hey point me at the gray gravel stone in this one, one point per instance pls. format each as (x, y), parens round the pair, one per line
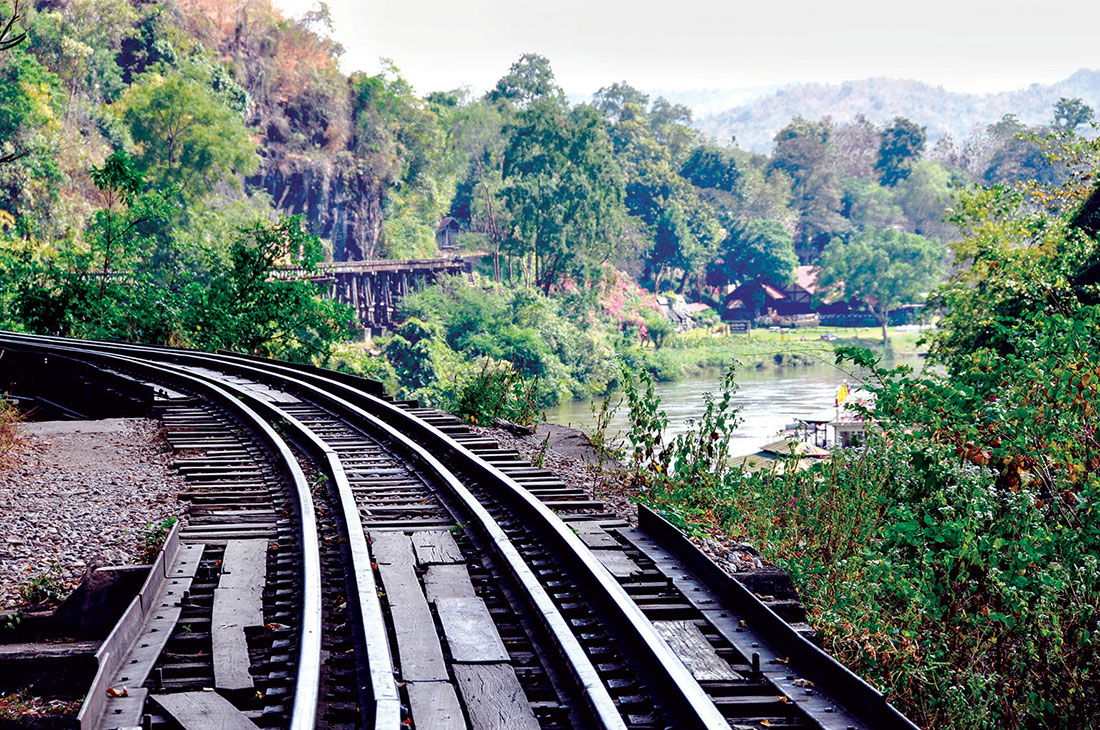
(80, 494)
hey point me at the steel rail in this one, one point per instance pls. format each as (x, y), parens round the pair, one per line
(584, 674)
(676, 685)
(829, 675)
(307, 681)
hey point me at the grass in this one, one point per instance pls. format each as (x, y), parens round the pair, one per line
(701, 350)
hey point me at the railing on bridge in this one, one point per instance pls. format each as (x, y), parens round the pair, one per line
(374, 288)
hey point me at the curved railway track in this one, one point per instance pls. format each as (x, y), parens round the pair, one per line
(393, 569)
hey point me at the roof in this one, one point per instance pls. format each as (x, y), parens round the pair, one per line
(772, 292)
(696, 307)
(794, 448)
(805, 278)
(447, 222)
(762, 460)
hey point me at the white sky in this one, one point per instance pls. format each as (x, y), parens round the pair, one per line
(965, 45)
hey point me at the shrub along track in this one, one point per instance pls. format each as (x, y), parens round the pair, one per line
(475, 590)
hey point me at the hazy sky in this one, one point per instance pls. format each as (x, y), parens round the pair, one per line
(965, 45)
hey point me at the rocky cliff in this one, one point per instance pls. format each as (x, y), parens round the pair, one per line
(301, 112)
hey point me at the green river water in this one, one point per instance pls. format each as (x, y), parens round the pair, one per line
(769, 399)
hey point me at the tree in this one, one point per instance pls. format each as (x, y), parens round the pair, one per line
(529, 79)
(870, 205)
(185, 132)
(1069, 114)
(712, 167)
(757, 250)
(902, 144)
(683, 230)
(31, 102)
(564, 191)
(8, 40)
(1015, 154)
(611, 101)
(246, 309)
(803, 151)
(924, 196)
(856, 146)
(117, 227)
(884, 269)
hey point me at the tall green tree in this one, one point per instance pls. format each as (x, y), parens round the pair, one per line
(611, 101)
(564, 191)
(1069, 114)
(245, 308)
(759, 250)
(803, 151)
(712, 167)
(530, 79)
(883, 269)
(185, 132)
(902, 145)
(683, 229)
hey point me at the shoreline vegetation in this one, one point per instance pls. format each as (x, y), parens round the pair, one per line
(460, 339)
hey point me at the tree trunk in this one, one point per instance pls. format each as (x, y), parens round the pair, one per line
(883, 319)
(683, 282)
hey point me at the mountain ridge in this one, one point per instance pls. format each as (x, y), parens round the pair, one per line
(880, 99)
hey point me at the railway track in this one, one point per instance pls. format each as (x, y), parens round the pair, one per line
(393, 569)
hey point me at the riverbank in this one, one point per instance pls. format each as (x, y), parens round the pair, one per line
(699, 352)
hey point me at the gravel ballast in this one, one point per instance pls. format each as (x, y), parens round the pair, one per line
(81, 494)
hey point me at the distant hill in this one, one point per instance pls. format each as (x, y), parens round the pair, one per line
(880, 99)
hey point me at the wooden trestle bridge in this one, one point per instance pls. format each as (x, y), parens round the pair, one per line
(374, 288)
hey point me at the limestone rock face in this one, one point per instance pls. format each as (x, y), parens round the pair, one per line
(338, 195)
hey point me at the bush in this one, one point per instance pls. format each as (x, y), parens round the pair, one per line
(494, 391)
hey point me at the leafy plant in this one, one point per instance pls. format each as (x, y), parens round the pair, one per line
(152, 540)
(496, 391)
(46, 587)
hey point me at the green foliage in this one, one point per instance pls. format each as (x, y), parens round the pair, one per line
(245, 309)
(454, 323)
(187, 128)
(152, 540)
(902, 144)
(564, 191)
(952, 560)
(1069, 114)
(129, 284)
(760, 249)
(694, 462)
(711, 167)
(529, 80)
(496, 390)
(883, 269)
(48, 586)
(802, 151)
(612, 101)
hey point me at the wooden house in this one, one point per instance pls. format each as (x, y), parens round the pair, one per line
(446, 234)
(756, 298)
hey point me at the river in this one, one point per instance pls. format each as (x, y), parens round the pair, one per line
(769, 399)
